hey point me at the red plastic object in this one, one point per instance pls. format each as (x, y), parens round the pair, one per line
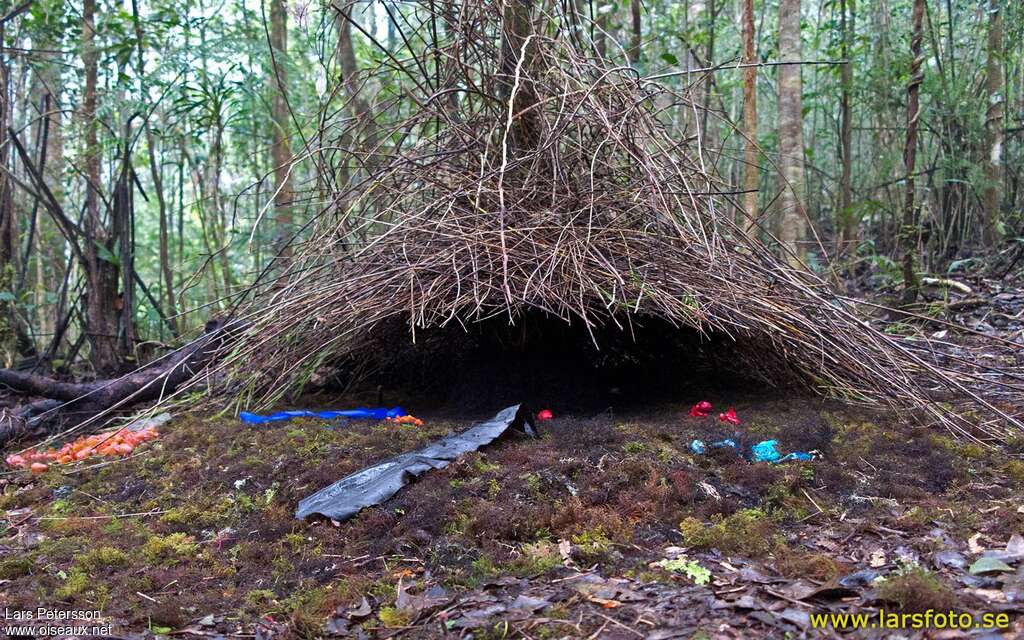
(701, 410)
(545, 414)
(729, 416)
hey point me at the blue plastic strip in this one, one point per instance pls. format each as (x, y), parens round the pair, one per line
(766, 451)
(353, 414)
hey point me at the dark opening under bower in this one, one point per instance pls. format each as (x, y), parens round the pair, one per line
(533, 182)
(546, 362)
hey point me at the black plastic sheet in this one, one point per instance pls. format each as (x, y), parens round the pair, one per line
(375, 484)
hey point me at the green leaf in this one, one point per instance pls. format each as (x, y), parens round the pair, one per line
(669, 59)
(691, 568)
(7, 296)
(106, 255)
(989, 565)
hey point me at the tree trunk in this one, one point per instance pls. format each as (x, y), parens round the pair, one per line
(991, 230)
(634, 43)
(708, 80)
(848, 224)
(358, 106)
(281, 154)
(8, 217)
(102, 303)
(751, 169)
(909, 228)
(79, 401)
(49, 245)
(515, 32)
(793, 218)
(158, 183)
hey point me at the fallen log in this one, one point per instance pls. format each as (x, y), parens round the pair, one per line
(80, 401)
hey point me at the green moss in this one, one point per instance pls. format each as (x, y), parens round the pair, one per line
(394, 618)
(634, 447)
(748, 532)
(493, 488)
(62, 549)
(76, 583)
(113, 527)
(481, 465)
(169, 550)
(13, 568)
(591, 545)
(102, 557)
(1014, 470)
(816, 566)
(258, 600)
(916, 590)
(295, 541)
(536, 558)
(972, 451)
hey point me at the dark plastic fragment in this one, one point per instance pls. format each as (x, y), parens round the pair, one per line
(375, 484)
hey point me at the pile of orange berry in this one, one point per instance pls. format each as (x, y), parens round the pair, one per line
(120, 442)
(416, 422)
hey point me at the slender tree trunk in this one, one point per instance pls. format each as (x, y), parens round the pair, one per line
(994, 135)
(634, 43)
(281, 153)
(909, 228)
(751, 168)
(708, 80)
(516, 29)
(358, 105)
(154, 171)
(793, 218)
(49, 244)
(102, 305)
(848, 223)
(8, 218)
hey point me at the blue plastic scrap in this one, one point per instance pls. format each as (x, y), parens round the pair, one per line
(766, 451)
(698, 446)
(353, 414)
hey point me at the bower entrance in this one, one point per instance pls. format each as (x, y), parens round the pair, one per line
(545, 361)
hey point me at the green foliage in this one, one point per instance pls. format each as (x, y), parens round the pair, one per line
(169, 550)
(690, 568)
(748, 532)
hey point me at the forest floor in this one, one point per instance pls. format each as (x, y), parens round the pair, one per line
(606, 526)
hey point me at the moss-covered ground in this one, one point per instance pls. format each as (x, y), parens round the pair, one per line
(606, 526)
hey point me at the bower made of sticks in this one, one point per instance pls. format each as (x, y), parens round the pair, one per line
(574, 192)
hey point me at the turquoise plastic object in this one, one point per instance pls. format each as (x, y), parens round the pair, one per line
(698, 446)
(766, 451)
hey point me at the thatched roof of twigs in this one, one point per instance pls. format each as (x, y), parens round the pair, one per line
(579, 190)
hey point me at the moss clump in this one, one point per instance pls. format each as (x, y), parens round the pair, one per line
(102, 557)
(634, 447)
(816, 566)
(76, 582)
(394, 618)
(1014, 470)
(258, 599)
(12, 568)
(916, 590)
(591, 545)
(748, 532)
(169, 550)
(536, 559)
